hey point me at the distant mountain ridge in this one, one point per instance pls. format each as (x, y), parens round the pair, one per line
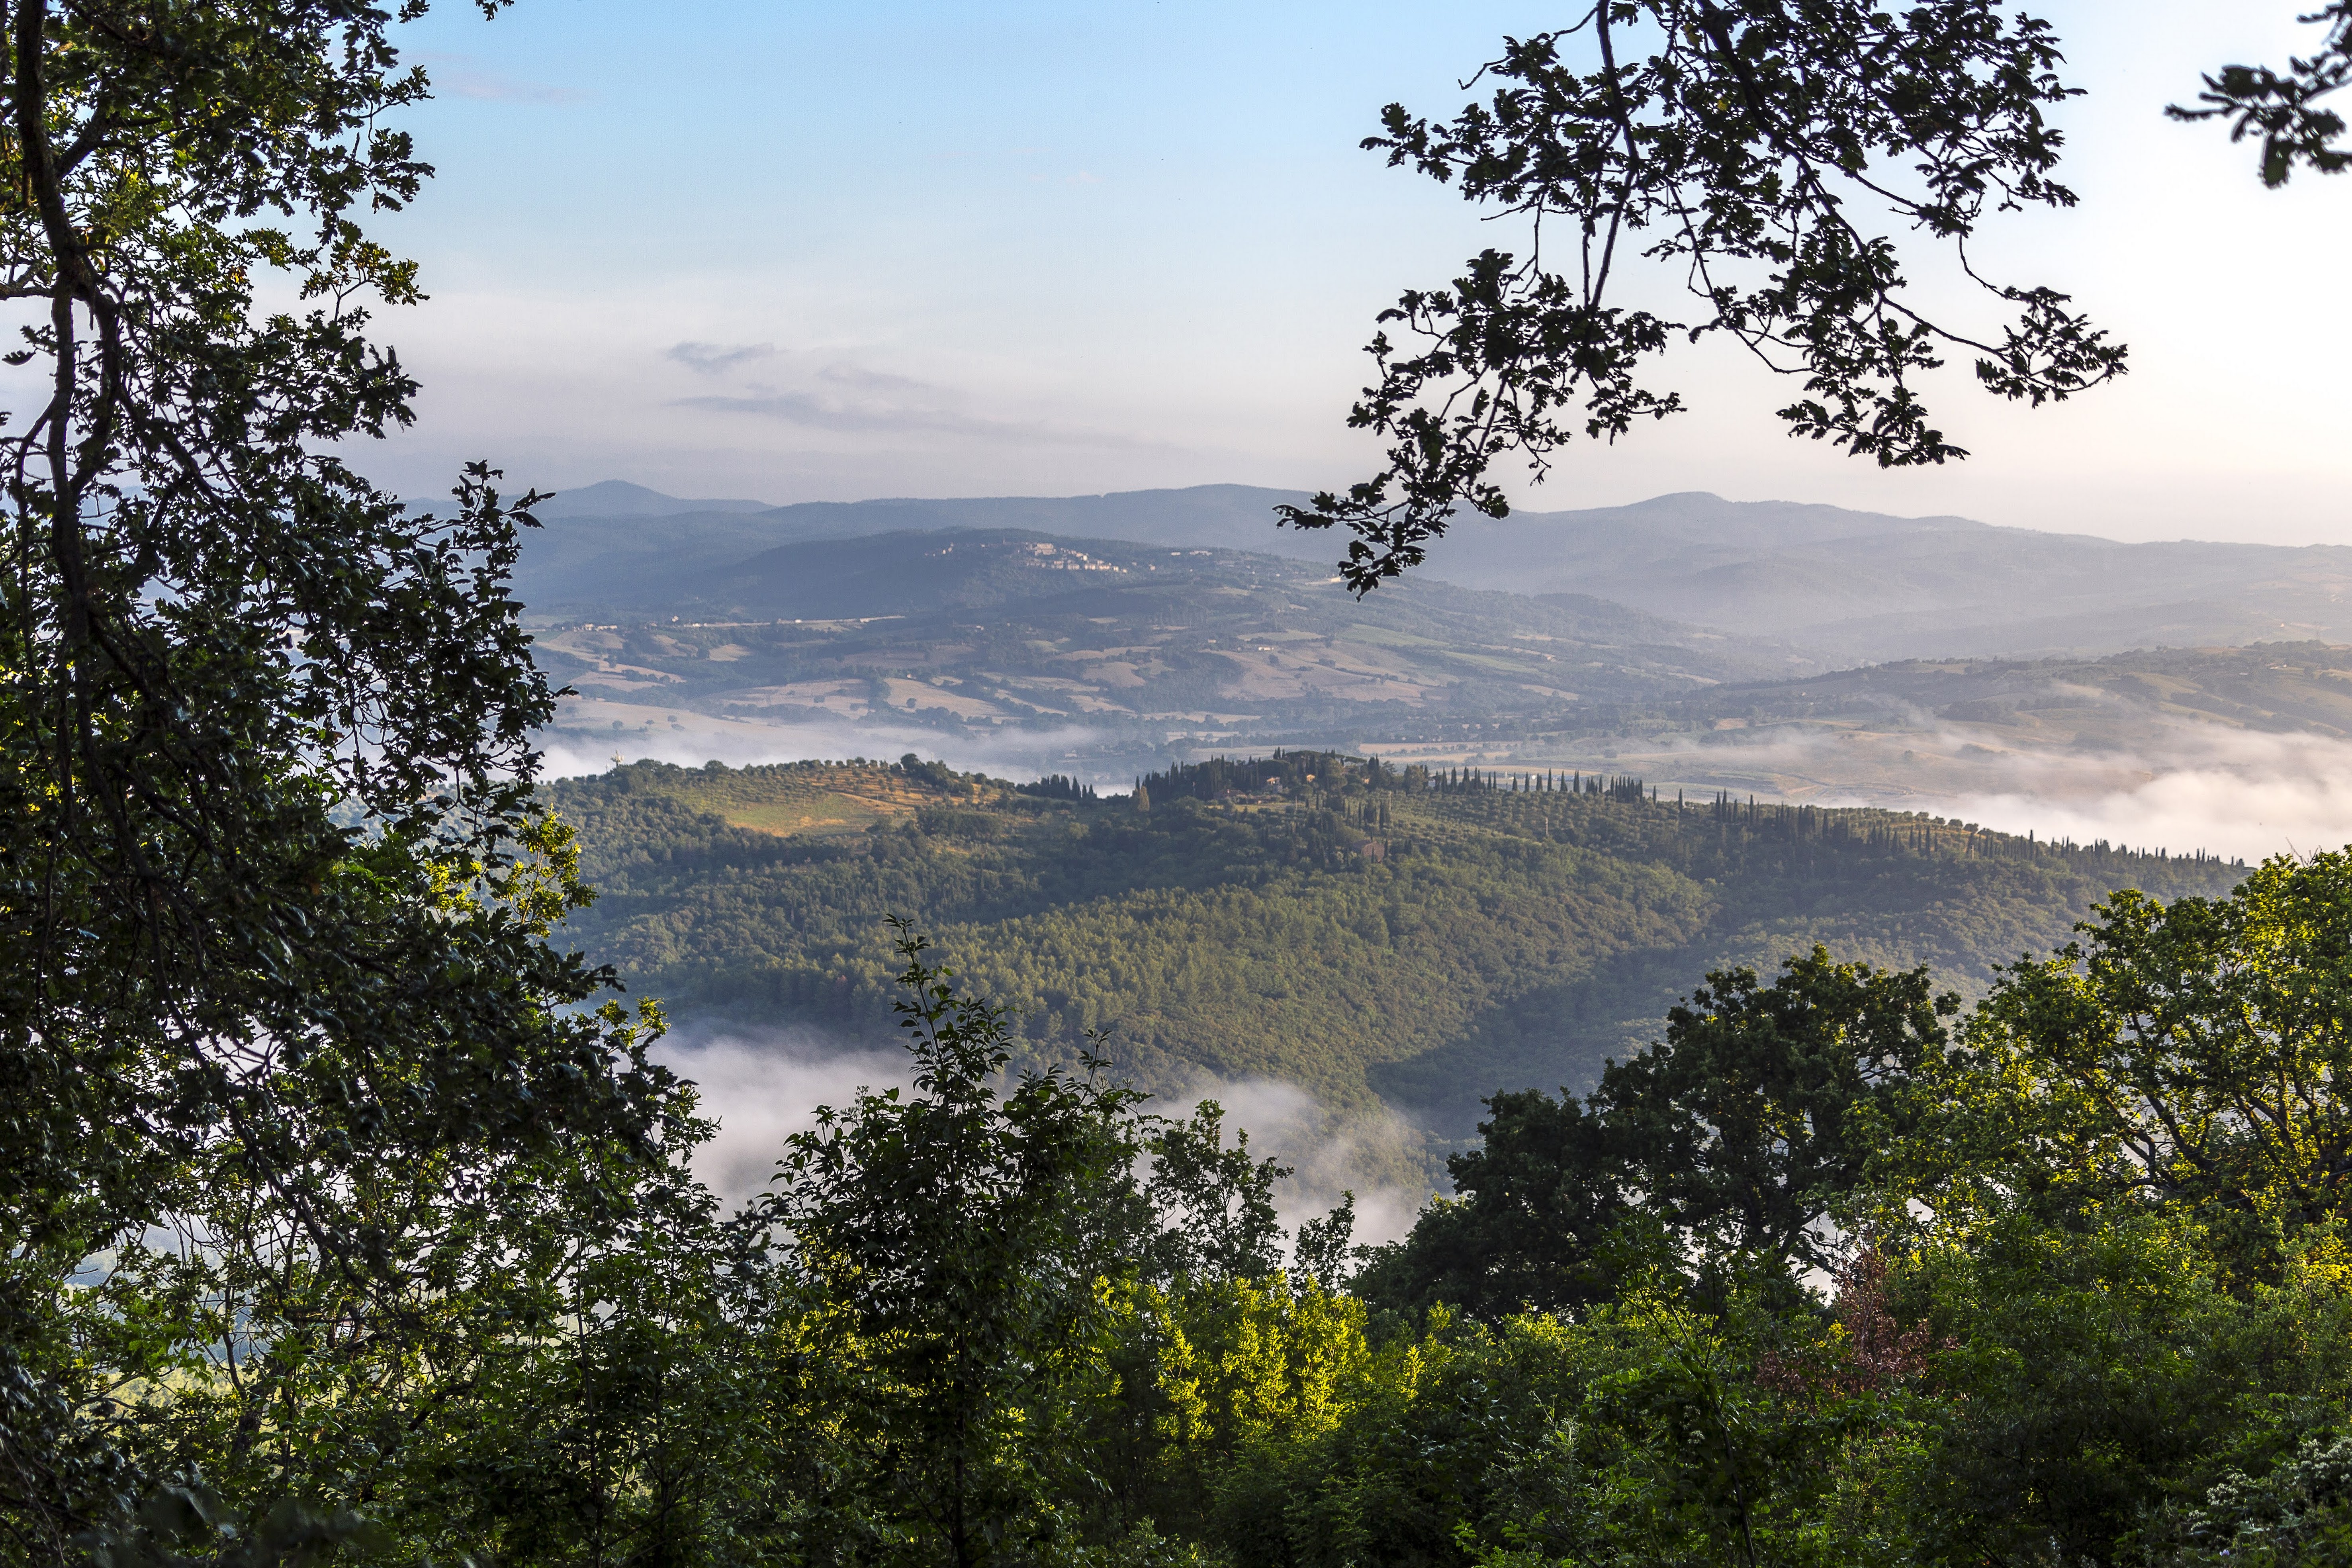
(1854, 587)
(971, 634)
(1842, 586)
(618, 498)
(643, 558)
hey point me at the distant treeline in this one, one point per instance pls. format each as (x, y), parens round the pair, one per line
(1283, 772)
(1912, 832)
(1293, 773)
(1321, 775)
(1057, 786)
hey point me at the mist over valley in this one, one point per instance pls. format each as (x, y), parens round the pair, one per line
(2182, 696)
(1906, 677)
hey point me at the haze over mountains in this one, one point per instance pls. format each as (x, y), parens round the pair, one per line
(1839, 588)
(1704, 643)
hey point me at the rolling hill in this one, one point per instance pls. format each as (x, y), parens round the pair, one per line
(984, 632)
(1854, 587)
(1378, 938)
(830, 629)
(1839, 588)
(652, 552)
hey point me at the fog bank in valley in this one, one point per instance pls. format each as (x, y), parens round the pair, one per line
(2243, 795)
(2180, 787)
(762, 1085)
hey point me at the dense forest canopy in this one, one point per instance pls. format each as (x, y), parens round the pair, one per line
(1842, 1273)
(1369, 932)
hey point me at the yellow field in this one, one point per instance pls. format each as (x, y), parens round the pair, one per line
(815, 799)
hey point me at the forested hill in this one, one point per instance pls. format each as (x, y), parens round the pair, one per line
(1364, 933)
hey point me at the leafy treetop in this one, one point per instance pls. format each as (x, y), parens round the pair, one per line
(1765, 154)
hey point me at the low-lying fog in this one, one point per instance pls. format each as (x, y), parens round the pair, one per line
(2227, 790)
(764, 1085)
(2253, 796)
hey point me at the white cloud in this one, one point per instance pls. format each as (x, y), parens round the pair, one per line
(712, 358)
(2187, 786)
(851, 399)
(2245, 796)
(1328, 1154)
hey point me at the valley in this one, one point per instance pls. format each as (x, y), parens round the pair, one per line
(1478, 939)
(1838, 587)
(993, 632)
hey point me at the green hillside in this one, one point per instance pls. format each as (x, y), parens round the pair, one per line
(1369, 935)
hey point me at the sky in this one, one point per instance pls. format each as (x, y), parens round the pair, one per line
(794, 252)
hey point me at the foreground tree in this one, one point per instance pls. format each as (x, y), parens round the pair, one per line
(1021, 1322)
(1765, 154)
(1022, 1309)
(960, 1237)
(2189, 1059)
(282, 1043)
(1731, 1146)
(1767, 1106)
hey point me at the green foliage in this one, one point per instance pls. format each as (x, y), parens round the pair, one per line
(2066, 1367)
(1765, 1105)
(1733, 1141)
(300, 1116)
(958, 1239)
(660, 1414)
(2099, 1378)
(2184, 1057)
(1012, 1319)
(2107, 1277)
(1216, 1204)
(1539, 1207)
(1362, 933)
(1742, 151)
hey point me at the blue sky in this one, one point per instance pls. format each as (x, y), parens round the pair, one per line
(800, 252)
